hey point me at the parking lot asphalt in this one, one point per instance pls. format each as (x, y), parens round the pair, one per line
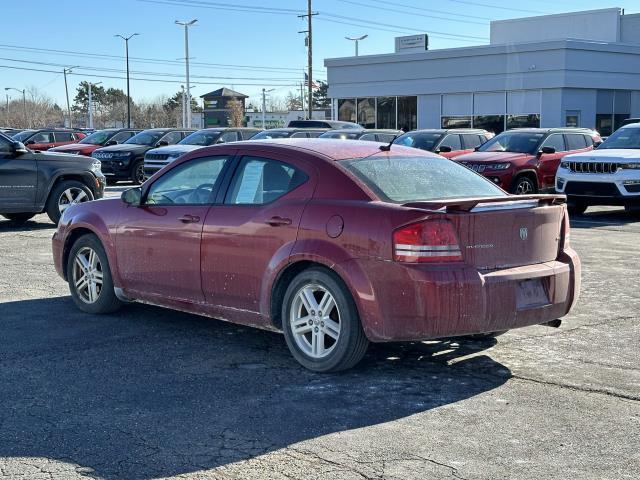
(151, 393)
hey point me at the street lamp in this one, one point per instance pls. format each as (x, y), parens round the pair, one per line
(66, 89)
(356, 39)
(90, 104)
(126, 49)
(186, 26)
(24, 102)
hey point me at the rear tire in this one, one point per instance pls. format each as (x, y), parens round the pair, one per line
(327, 341)
(18, 218)
(89, 277)
(64, 194)
(523, 185)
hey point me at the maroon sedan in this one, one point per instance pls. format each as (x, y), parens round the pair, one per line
(335, 243)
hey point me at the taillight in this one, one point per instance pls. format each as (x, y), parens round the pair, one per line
(429, 241)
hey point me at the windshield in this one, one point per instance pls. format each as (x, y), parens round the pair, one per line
(516, 142)
(271, 134)
(146, 138)
(402, 179)
(202, 138)
(22, 136)
(625, 138)
(423, 141)
(98, 138)
(341, 135)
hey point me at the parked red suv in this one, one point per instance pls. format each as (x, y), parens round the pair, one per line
(46, 138)
(101, 138)
(449, 143)
(525, 161)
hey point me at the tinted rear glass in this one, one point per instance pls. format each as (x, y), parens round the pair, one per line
(402, 179)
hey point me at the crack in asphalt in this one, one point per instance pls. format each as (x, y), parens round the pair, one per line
(610, 393)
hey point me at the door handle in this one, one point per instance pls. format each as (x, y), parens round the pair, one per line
(189, 219)
(278, 221)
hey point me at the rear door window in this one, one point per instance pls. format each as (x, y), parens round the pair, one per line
(452, 141)
(371, 137)
(229, 137)
(122, 137)
(172, 137)
(555, 141)
(575, 141)
(299, 135)
(43, 137)
(471, 141)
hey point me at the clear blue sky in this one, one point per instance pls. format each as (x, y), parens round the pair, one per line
(249, 33)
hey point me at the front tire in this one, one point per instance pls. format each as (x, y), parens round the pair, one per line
(18, 218)
(523, 185)
(321, 323)
(137, 172)
(89, 277)
(577, 208)
(65, 194)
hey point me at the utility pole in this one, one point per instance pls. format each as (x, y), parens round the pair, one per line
(66, 89)
(90, 108)
(309, 33)
(186, 26)
(264, 107)
(126, 50)
(7, 110)
(184, 107)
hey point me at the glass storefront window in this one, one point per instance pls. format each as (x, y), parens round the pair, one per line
(407, 113)
(491, 123)
(456, 122)
(523, 121)
(367, 112)
(604, 124)
(386, 114)
(347, 109)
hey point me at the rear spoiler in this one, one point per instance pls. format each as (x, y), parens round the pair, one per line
(468, 204)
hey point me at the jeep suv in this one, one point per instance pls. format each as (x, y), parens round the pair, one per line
(101, 138)
(35, 182)
(449, 143)
(525, 160)
(126, 161)
(157, 158)
(46, 138)
(609, 175)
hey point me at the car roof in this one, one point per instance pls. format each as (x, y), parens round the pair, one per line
(362, 130)
(296, 129)
(449, 130)
(553, 130)
(634, 125)
(336, 149)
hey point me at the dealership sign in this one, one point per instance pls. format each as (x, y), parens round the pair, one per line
(412, 43)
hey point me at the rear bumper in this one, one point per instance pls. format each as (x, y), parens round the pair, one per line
(410, 302)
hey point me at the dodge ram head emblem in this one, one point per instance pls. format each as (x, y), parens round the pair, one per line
(524, 233)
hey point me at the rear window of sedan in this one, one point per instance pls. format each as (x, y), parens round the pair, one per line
(402, 179)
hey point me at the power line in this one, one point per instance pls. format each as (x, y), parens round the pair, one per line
(486, 5)
(413, 7)
(414, 14)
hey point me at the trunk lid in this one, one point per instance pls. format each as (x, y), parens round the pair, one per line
(504, 232)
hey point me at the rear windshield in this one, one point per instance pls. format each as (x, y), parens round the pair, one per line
(516, 142)
(202, 138)
(271, 134)
(625, 138)
(423, 141)
(401, 179)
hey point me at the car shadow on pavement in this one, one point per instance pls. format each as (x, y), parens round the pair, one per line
(605, 218)
(150, 392)
(28, 226)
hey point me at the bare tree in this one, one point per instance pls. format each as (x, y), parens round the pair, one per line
(236, 113)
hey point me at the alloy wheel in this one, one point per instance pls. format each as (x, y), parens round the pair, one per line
(524, 187)
(139, 173)
(70, 196)
(87, 275)
(315, 321)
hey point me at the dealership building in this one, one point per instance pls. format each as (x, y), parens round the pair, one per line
(575, 69)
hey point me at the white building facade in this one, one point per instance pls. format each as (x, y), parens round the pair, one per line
(578, 69)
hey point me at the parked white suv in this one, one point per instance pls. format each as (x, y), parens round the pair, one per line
(608, 175)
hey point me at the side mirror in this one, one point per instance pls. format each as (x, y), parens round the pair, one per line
(110, 142)
(31, 142)
(162, 143)
(596, 144)
(547, 150)
(475, 149)
(132, 196)
(444, 149)
(219, 141)
(19, 148)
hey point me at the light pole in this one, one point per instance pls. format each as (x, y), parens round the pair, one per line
(91, 105)
(7, 110)
(126, 50)
(264, 107)
(356, 40)
(24, 102)
(186, 26)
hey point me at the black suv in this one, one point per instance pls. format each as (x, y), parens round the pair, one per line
(126, 161)
(35, 182)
